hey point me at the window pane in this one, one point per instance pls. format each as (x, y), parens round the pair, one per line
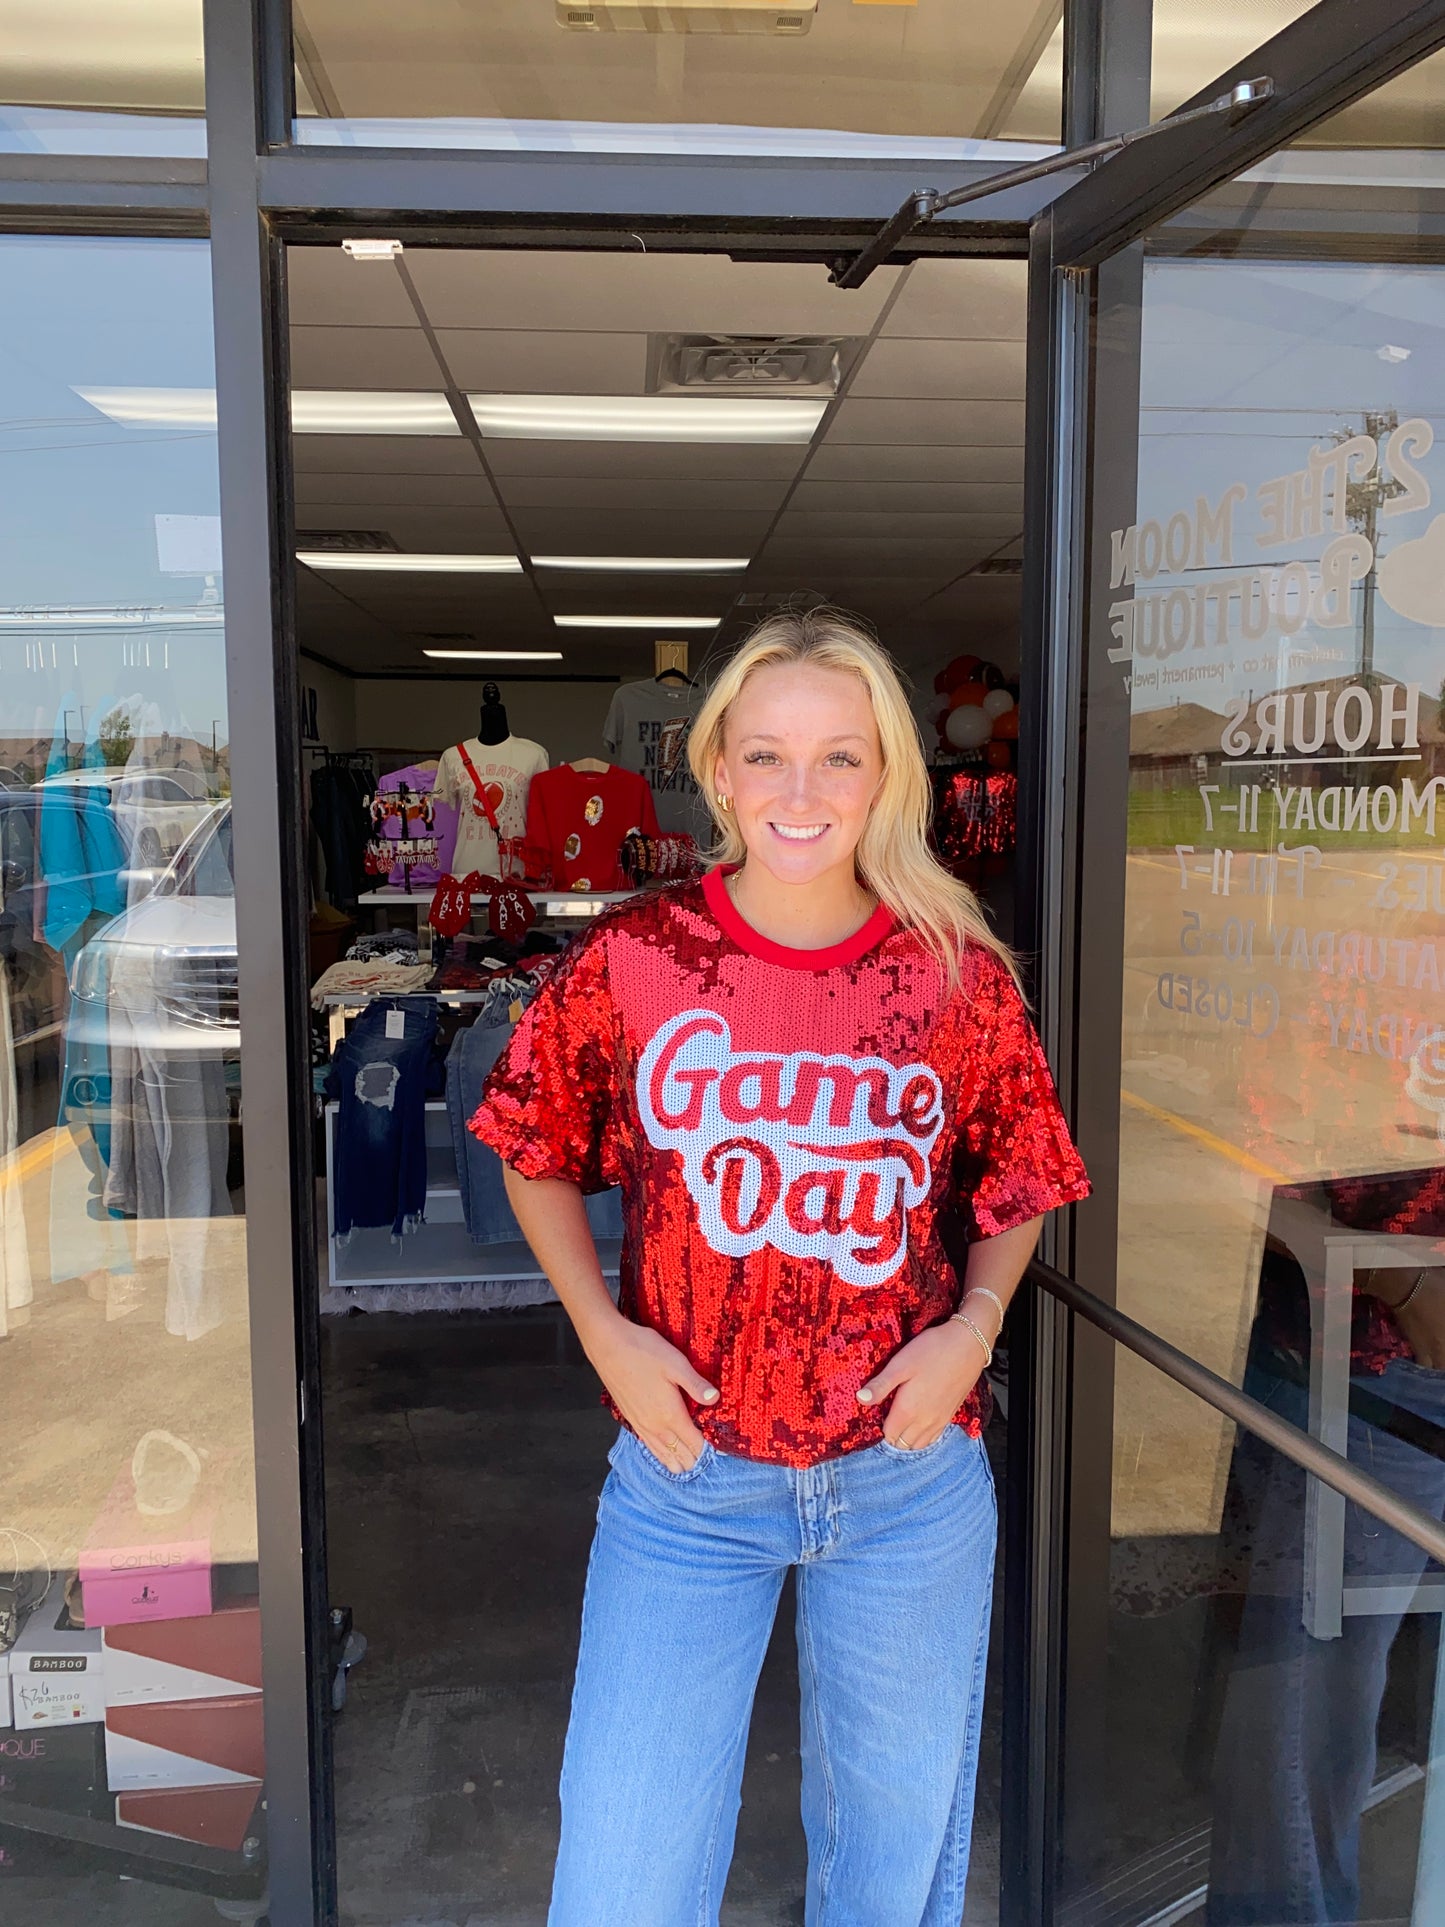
(1193, 44)
(130, 1707)
(101, 77)
(1264, 869)
(1257, 1732)
(824, 76)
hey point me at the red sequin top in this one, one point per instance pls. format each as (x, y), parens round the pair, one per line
(787, 1127)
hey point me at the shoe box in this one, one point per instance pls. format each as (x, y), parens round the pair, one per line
(136, 1567)
(184, 1743)
(55, 1668)
(212, 1816)
(184, 1711)
(158, 1723)
(217, 1657)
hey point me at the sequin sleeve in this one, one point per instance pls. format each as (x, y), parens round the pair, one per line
(548, 1103)
(1015, 1157)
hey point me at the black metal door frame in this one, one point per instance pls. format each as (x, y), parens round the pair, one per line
(1085, 271)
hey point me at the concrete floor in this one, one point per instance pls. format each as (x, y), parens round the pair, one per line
(464, 1458)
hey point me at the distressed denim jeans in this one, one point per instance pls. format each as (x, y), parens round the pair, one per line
(894, 1553)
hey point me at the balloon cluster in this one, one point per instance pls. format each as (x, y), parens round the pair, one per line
(976, 711)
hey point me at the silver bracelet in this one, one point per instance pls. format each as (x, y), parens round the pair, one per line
(1409, 1297)
(982, 1291)
(962, 1318)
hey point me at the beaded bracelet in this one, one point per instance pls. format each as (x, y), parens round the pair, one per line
(962, 1318)
(982, 1291)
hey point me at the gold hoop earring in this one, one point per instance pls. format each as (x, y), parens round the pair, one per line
(724, 803)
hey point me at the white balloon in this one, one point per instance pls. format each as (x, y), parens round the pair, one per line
(968, 727)
(998, 702)
(938, 708)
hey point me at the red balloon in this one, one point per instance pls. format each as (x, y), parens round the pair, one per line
(998, 755)
(961, 669)
(967, 692)
(1006, 727)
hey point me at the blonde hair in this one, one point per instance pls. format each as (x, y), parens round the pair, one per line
(893, 857)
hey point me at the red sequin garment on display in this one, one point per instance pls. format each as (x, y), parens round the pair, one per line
(975, 819)
(787, 1126)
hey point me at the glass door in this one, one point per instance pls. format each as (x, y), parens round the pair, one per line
(1252, 599)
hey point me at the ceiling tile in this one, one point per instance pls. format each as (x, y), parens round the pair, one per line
(908, 462)
(383, 455)
(325, 287)
(663, 497)
(866, 558)
(855, 526)
(571, 532)
(994, 498)
(646, 461)
(541, 362)
(955, 423)
(963, 300)
(428, 531)
(412, 491)
(943, 370)
(363, 358)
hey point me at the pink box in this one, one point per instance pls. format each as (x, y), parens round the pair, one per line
(134, 1568)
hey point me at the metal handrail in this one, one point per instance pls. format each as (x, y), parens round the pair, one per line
(1306, 1452)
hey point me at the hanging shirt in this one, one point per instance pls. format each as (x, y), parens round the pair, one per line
(576, 823)
(504, 771)
(787, 1126)
(413, 831)
(646, 730)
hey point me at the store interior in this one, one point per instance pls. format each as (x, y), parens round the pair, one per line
(539, 497)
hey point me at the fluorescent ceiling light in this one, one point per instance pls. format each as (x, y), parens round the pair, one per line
(648, 418)
(661, 623)
(648, 564)
(387, 560)
(154, 407)
(362, 411)
(496, 655)
(314, 411)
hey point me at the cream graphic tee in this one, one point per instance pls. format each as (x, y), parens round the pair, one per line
(505, 771)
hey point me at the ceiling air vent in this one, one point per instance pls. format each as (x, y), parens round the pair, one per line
(687, 16)
(747, 364)
(347, 541)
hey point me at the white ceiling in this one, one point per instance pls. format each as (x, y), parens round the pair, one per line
(912, 481)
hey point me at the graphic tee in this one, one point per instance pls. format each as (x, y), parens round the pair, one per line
(506, 770)
(788, 1127)
(411, 829)
(646, 730)
(576, 822)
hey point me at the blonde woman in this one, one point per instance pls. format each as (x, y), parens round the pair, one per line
(792, 1068)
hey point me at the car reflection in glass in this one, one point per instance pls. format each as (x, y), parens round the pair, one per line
(155, 810)
(161, 977)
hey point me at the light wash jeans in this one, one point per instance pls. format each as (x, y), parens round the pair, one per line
(894, 1552)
